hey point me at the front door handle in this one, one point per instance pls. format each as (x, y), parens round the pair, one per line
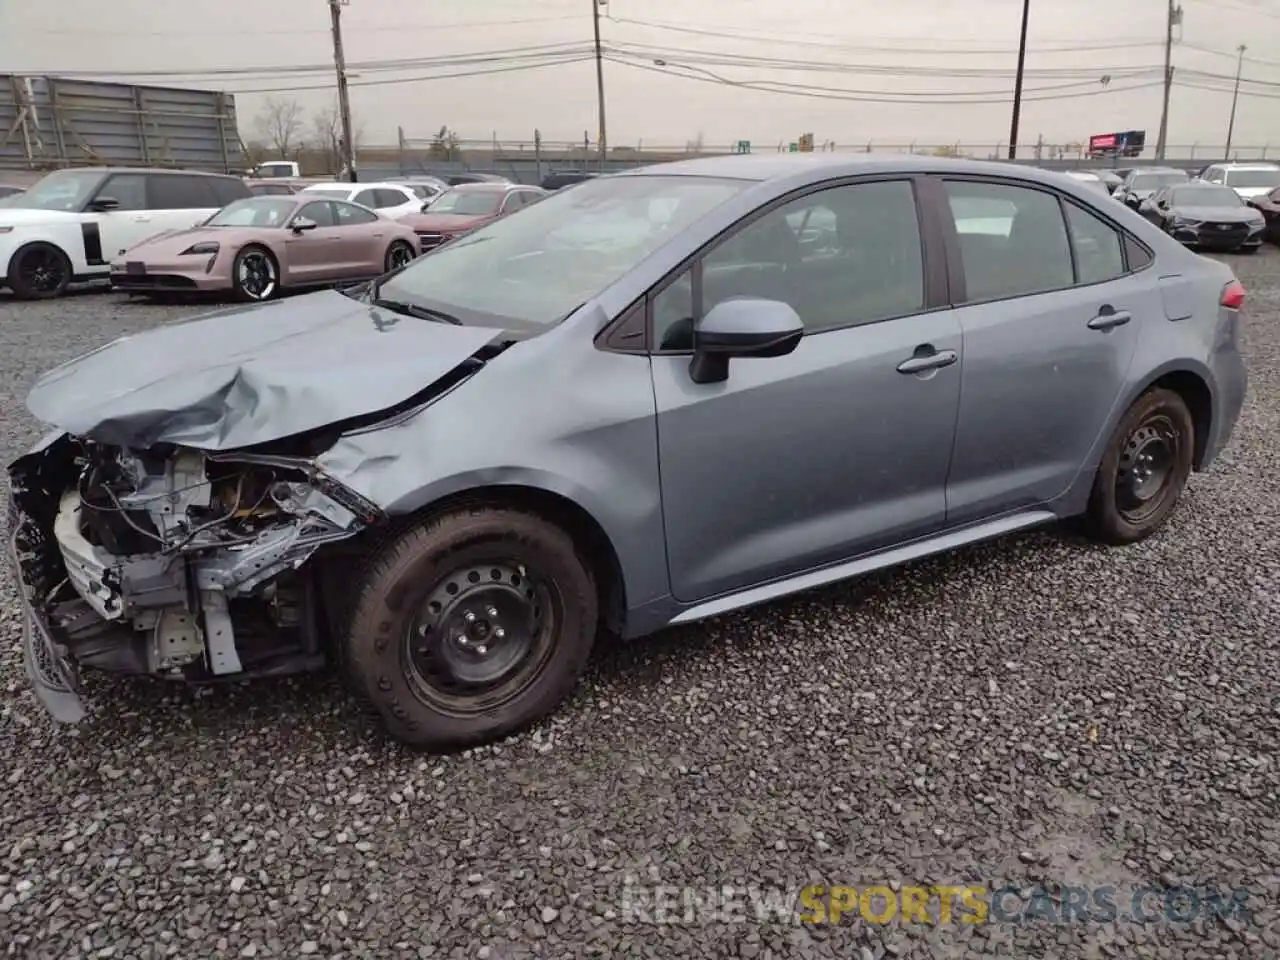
(1109, 320)
(932, 361)
(141, 219)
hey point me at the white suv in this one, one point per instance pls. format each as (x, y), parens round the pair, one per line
(389, 199)
(71, 223)
(1247, 179)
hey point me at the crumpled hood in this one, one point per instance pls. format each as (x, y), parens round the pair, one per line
(239, 377)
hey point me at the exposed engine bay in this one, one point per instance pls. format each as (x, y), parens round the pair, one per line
(173, 562)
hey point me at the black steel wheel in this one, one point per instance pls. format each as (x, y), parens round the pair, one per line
(398, 254)
(255, 275)
(470, 627)
(39, 271)
(1144, 469)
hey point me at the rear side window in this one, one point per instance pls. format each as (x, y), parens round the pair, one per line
(176, 191)
(1013, 241)
(228, 190)
(348, 214)
(1098, 247)
(389, 198)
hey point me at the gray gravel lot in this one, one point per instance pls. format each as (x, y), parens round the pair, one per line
(1035, 711)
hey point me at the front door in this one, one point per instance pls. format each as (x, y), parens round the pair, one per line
(314, 255)
(1050, 311)
(835, 450)
(130, 221)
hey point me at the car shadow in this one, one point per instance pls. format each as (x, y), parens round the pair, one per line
(122, 707)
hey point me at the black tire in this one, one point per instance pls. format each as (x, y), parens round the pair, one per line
(39, 271)
(1126, 504)
(398, 254)
(410, 647)
(263, 280)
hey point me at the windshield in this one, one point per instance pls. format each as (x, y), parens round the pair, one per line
(534, 269)
(1205, 197)
(61, 190)
(1253, 178)
(469, 202)
(254, 212)
(1154, 181)
(336, 192)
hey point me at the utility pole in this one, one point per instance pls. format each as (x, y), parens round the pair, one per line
(344, 103)
(595, 14)
(1017, 83)
(1235, 96)
(1174, 18)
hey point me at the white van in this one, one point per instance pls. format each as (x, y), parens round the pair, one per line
(69, 225)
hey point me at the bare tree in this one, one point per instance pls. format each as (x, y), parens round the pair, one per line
(444, 145)
(326, 135)
(279, 123)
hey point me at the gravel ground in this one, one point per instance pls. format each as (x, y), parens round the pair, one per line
(1036, 711)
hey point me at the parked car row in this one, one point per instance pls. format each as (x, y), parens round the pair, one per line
(172, 232)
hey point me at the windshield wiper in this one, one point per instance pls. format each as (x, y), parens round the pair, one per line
(414, 310)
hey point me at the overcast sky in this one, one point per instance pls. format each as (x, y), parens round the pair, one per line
(945, 37)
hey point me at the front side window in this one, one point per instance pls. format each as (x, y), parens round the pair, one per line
(839, 257)
(1013, 240)
(129, 190)
(531, 271)
(1098, 246)
(385, 198)
(67, 190)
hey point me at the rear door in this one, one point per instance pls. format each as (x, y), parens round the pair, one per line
(363, 238)
(178, 201)
(834, 450)
(126, 224)
(1050, 302)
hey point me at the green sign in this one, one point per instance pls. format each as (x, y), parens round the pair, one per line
(742, 146)
(793, 147)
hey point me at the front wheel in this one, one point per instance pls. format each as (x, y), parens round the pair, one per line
(398, 254)
(1144, 469)
(470, 627)
(39, 271)
(255, 275)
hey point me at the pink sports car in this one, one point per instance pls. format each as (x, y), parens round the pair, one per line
(258, 246)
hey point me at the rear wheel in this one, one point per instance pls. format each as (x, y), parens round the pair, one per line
(471, 627)
(398, 254)
(255, 275)
(1144, 469)
(39, 271)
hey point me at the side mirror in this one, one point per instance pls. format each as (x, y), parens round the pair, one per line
(99, 204)
(302, 223)
(742, 328)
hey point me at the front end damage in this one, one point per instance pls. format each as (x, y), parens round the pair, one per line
(170, 562)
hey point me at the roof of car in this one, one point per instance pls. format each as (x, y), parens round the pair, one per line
(1249, 165)
(347, 185)
(821, 166)
(492, 186)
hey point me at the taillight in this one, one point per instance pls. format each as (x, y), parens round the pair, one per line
(1233, 295)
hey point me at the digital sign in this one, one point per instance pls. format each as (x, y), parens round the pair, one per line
(1126, 144)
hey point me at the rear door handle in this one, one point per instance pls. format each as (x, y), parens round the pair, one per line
(1110, 320)
(933, 361)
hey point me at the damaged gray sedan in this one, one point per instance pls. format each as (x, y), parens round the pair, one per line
(654, 398)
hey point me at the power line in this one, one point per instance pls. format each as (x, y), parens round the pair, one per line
(1237, 8)
(819, 93)
(932, 50)
(399, 28)
(397, 81)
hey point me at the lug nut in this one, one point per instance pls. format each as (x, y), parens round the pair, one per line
(469, 617)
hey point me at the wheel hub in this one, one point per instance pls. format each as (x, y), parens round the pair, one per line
(1146, 462)
(476, 628)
